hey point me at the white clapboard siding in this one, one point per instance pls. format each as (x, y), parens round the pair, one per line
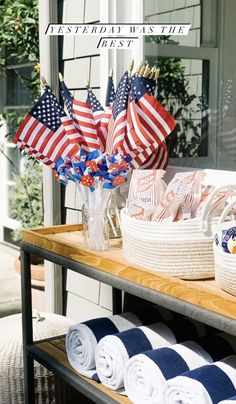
(83, 286)
(92, 10)
(80, 309)
(86, 46)
(76, 72)
(86, 298)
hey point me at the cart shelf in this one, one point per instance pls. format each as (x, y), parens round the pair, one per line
(63, 245)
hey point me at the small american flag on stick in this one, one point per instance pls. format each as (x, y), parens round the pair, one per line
(42, 132)
(110, 94)
(117, 125)
(82, 118)
(148, 125)
(101, 117)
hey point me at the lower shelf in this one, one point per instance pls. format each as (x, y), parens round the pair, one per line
(52, 354)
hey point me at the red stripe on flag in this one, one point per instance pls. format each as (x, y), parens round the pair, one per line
(155, 106)
(21, 127)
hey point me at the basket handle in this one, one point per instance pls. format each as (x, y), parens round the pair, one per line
(204, 219)
(226, 210)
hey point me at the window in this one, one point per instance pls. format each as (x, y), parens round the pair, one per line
(16, 102)
(198, 79)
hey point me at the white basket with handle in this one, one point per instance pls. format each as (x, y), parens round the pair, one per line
(225, 263)
(183, 249)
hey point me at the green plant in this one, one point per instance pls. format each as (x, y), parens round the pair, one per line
(26, 204)
(19, 33)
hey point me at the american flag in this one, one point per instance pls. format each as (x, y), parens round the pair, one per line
(149, 84)
(42, 132)
(158, 159)
(146, 158)
(110, 94)
(83, 120)
(72, 133)
(101, 117)
(117, 125)
(148, 124)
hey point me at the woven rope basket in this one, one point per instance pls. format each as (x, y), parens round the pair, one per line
(183, 249)
(225, 263)
(11, 361)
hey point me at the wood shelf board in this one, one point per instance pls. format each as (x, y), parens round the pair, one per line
(68, 241)
(56, 349)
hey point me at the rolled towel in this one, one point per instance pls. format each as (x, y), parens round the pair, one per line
(185, 329)
(113, 351)
(207, 384)
(230, 400)
(145, 374)
(218, 345)
(82, 338)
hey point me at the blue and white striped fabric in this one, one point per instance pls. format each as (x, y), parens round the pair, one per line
(82, 338)
(230, 400)
(146, 374)
(219, 346)
(208, 384)
(114, 351)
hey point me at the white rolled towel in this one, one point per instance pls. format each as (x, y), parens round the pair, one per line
(230, 400)
(145, 374)
(114, 351)
(208, 384)
(82, 339)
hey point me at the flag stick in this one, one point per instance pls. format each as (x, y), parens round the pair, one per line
(61, 78)
(157, 73)
(131, 67)
(141, 71)
(43, 82)
(139, 68)
(146, 71)
(152, 73)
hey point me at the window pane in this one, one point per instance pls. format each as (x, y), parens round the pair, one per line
(17, 92)
(176, 11)
(13, 154)
(184, 92)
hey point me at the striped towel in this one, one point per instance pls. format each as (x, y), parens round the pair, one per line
(145, 374)
(218, 345)
(82, 338)
(208, 384)
(114, 351)
(230, 400)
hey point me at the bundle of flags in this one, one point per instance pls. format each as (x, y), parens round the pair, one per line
(132, 123)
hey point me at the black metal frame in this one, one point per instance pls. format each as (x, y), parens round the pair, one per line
(30, 350)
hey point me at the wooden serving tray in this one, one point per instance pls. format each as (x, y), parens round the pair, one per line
(67, 241)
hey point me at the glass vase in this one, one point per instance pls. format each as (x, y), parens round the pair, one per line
(95, 229)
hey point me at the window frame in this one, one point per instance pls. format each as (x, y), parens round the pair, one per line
(5, 220)
(198, 53)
